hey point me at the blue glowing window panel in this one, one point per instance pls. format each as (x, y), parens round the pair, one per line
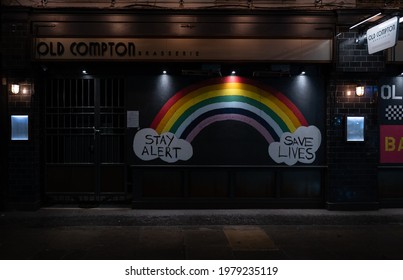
(19, 127)
(355, 128)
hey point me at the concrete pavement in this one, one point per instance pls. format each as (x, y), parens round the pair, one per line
(122, 233)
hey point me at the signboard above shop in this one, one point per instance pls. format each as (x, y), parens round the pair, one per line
(390, 118)
(383, 35)
(174, 49)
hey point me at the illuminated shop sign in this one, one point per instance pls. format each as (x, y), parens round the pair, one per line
(391, 148)
(181, 49)
(391, 103)
(390, 110)
(383, 35)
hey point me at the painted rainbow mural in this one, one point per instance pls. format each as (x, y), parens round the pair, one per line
(194, 108)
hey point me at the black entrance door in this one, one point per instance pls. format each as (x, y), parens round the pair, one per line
(84, 143)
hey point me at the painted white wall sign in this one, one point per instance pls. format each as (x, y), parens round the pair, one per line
(300, 146)
(383, 35)
(149, 145)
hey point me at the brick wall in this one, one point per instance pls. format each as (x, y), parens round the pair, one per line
(3, 142)
(23, 184)
(16, 45)
(352, 56)
(24, 156)
(352, 174)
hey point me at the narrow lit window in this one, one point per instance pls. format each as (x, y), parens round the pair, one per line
(19, 128)
(355, 128)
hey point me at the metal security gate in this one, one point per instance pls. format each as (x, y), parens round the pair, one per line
(85, 140)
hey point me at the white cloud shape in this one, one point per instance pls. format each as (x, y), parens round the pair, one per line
(149, 145)
(300, 146)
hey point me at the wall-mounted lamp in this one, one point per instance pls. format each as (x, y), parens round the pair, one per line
(361, 41)
(15, 88)
(359, 90)
(25, 88)
(20, 88)
(301, 71)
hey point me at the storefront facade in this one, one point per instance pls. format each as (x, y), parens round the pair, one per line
(188, 109)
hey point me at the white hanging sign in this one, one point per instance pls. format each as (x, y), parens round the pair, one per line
(383, 36)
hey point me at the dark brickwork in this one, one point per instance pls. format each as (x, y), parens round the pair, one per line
(24, 156)
(352, 174)
(3, 143)
(353, 56)
(352, 166)
(23, 184)
(15, 45)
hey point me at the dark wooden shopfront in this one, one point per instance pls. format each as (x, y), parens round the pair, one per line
(88, 142)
